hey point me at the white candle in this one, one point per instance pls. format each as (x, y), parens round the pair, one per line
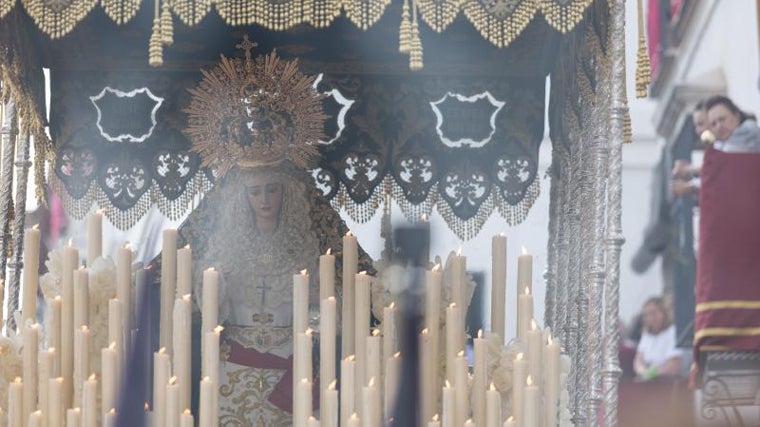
(81, 297)
(525, 271)
(371, 402)
(479, 384)
(373, 355)
(70, 262)
(81, 361)
(531, 404)
(35, 419)
(449, 405)
(524, 314)
(16, 402)
(329, 415)
(109, 419)
(428, 374)
(206, 415)
(172, 412)
(392, 381)
(116, 330)
(434, 421)
(453, 344)
(327, 342)
(184, 271)
(326, 275)
(53, 327)
(210, 300)
(433, 325)
(94, 237)
(186, 420)
(347, 388)
(350, 266)
(493, 407)
(182, 348)
(30, 275)
(31, 346)
(300, 301)
(302, 408)
(210, 363)
(390, 343)
(302, 360)
(498, 286)
(124, 289)
(109, 383)
(161, 372)
(551, 380)
(90, 402)
(460, 385)
(458, 275)
(535, 343)
(168, 286)
(73, 417)
(55, 412)
(46, 370)
(361, 328)
(519, 374)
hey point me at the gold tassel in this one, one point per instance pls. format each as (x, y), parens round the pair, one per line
(167, 26)
(404, 33)
(643, 67)
(415, 45)
(155, 50)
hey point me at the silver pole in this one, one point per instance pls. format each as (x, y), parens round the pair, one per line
(8, 133)
(614, 239)
(16, 264)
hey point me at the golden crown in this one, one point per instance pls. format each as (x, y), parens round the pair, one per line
(255, 112)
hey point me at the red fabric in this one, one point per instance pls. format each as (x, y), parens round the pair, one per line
(654, 26)
(728, 266)
(282, 395)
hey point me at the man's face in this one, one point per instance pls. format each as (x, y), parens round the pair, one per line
(699, 118)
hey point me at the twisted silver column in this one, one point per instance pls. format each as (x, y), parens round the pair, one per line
(8, 133)
(576, 346)
(550, 274)
(614, 239)
(16, 264)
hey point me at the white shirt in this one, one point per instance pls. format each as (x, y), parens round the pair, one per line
(657, 349)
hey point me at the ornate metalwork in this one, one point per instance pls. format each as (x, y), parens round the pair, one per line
(9, 131)
(550, 274)
(614, 238)
(22, 165)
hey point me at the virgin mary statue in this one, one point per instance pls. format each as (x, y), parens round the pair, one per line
(256, 123)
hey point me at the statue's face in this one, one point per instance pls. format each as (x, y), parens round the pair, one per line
(265, 197)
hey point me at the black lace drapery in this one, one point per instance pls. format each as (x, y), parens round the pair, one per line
(478, 155)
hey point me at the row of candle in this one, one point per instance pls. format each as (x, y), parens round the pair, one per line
(360, 369)
(61, 368)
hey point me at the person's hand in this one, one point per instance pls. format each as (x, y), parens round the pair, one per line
(679, 188)
(682, 170)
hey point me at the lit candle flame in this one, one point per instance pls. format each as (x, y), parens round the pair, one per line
(480, 333)
(162, 350)
(392, 305)
(436, 268)
(187, 246)
(70, 242)
(36, 227)
(529, 381)
(146, 406)
(549, 338)
(523, 250)
(219, 329)
(331, 299)
(85, 328)
(354, 416)
(329, 251)
(519, 356)
(333, 385)
(186, 297)
(533, 325)
(210, 269)
(112, 346)
(511, 419)
(452, 305)
(303, 380)
(362, 273)
(435, 418)
(424, 331)
(459, 251)
(92, 377)
(128, 245)
(17, 380)
(527, 291)
(304, 272)
(424, 217)
(371, 382)
(397, 355)
(375, 332)
(173, 380)
(461, 353)
(448, 384)
(112, 411)
(349, 234)
(492, 387)
(351, 357)
(308, 332)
